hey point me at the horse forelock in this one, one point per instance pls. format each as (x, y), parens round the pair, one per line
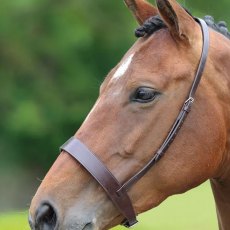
(155, 23)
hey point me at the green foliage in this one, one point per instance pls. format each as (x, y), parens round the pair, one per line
(53, 56)
(177, 213)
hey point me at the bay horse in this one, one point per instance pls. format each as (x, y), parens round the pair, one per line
(139, 101)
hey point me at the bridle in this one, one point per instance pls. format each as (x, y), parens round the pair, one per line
(115, 191)
(118, 192)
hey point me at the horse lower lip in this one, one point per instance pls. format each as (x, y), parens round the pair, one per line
(88, 226)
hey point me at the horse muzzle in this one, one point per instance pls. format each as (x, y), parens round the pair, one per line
(46, 217)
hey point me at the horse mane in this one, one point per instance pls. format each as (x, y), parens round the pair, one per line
(155, 23)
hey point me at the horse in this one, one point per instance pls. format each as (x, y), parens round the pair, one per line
(135, 113)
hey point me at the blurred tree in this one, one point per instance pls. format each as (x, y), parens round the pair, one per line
(53, 56)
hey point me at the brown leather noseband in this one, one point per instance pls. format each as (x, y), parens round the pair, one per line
(118, 192)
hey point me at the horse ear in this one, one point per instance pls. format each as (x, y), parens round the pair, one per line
(141, 9)
(179, 22)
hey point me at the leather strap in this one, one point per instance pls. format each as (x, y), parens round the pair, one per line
(183, 113)
(103, 176)
(116, 192)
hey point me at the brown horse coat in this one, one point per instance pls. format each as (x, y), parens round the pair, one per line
(124, 133)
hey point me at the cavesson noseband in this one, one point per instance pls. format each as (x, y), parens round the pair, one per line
(118, 192)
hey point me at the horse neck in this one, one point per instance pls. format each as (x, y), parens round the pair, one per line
(221, 183)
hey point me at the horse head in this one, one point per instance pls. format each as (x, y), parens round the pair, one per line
(139, 101)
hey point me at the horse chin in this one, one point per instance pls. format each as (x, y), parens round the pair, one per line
(116, 221)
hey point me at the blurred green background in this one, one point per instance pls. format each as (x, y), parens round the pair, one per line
(53, 57)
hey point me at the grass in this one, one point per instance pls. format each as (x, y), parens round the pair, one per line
(192, 210)
(14, 221)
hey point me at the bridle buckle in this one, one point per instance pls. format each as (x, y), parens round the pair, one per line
(188, 103)
(127, 224)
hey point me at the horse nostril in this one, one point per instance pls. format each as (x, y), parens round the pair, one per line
(30, 222)
(46, 218)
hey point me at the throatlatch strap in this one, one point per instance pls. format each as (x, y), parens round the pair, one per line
(182, 114)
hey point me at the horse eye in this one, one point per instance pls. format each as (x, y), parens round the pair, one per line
(144, 95)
